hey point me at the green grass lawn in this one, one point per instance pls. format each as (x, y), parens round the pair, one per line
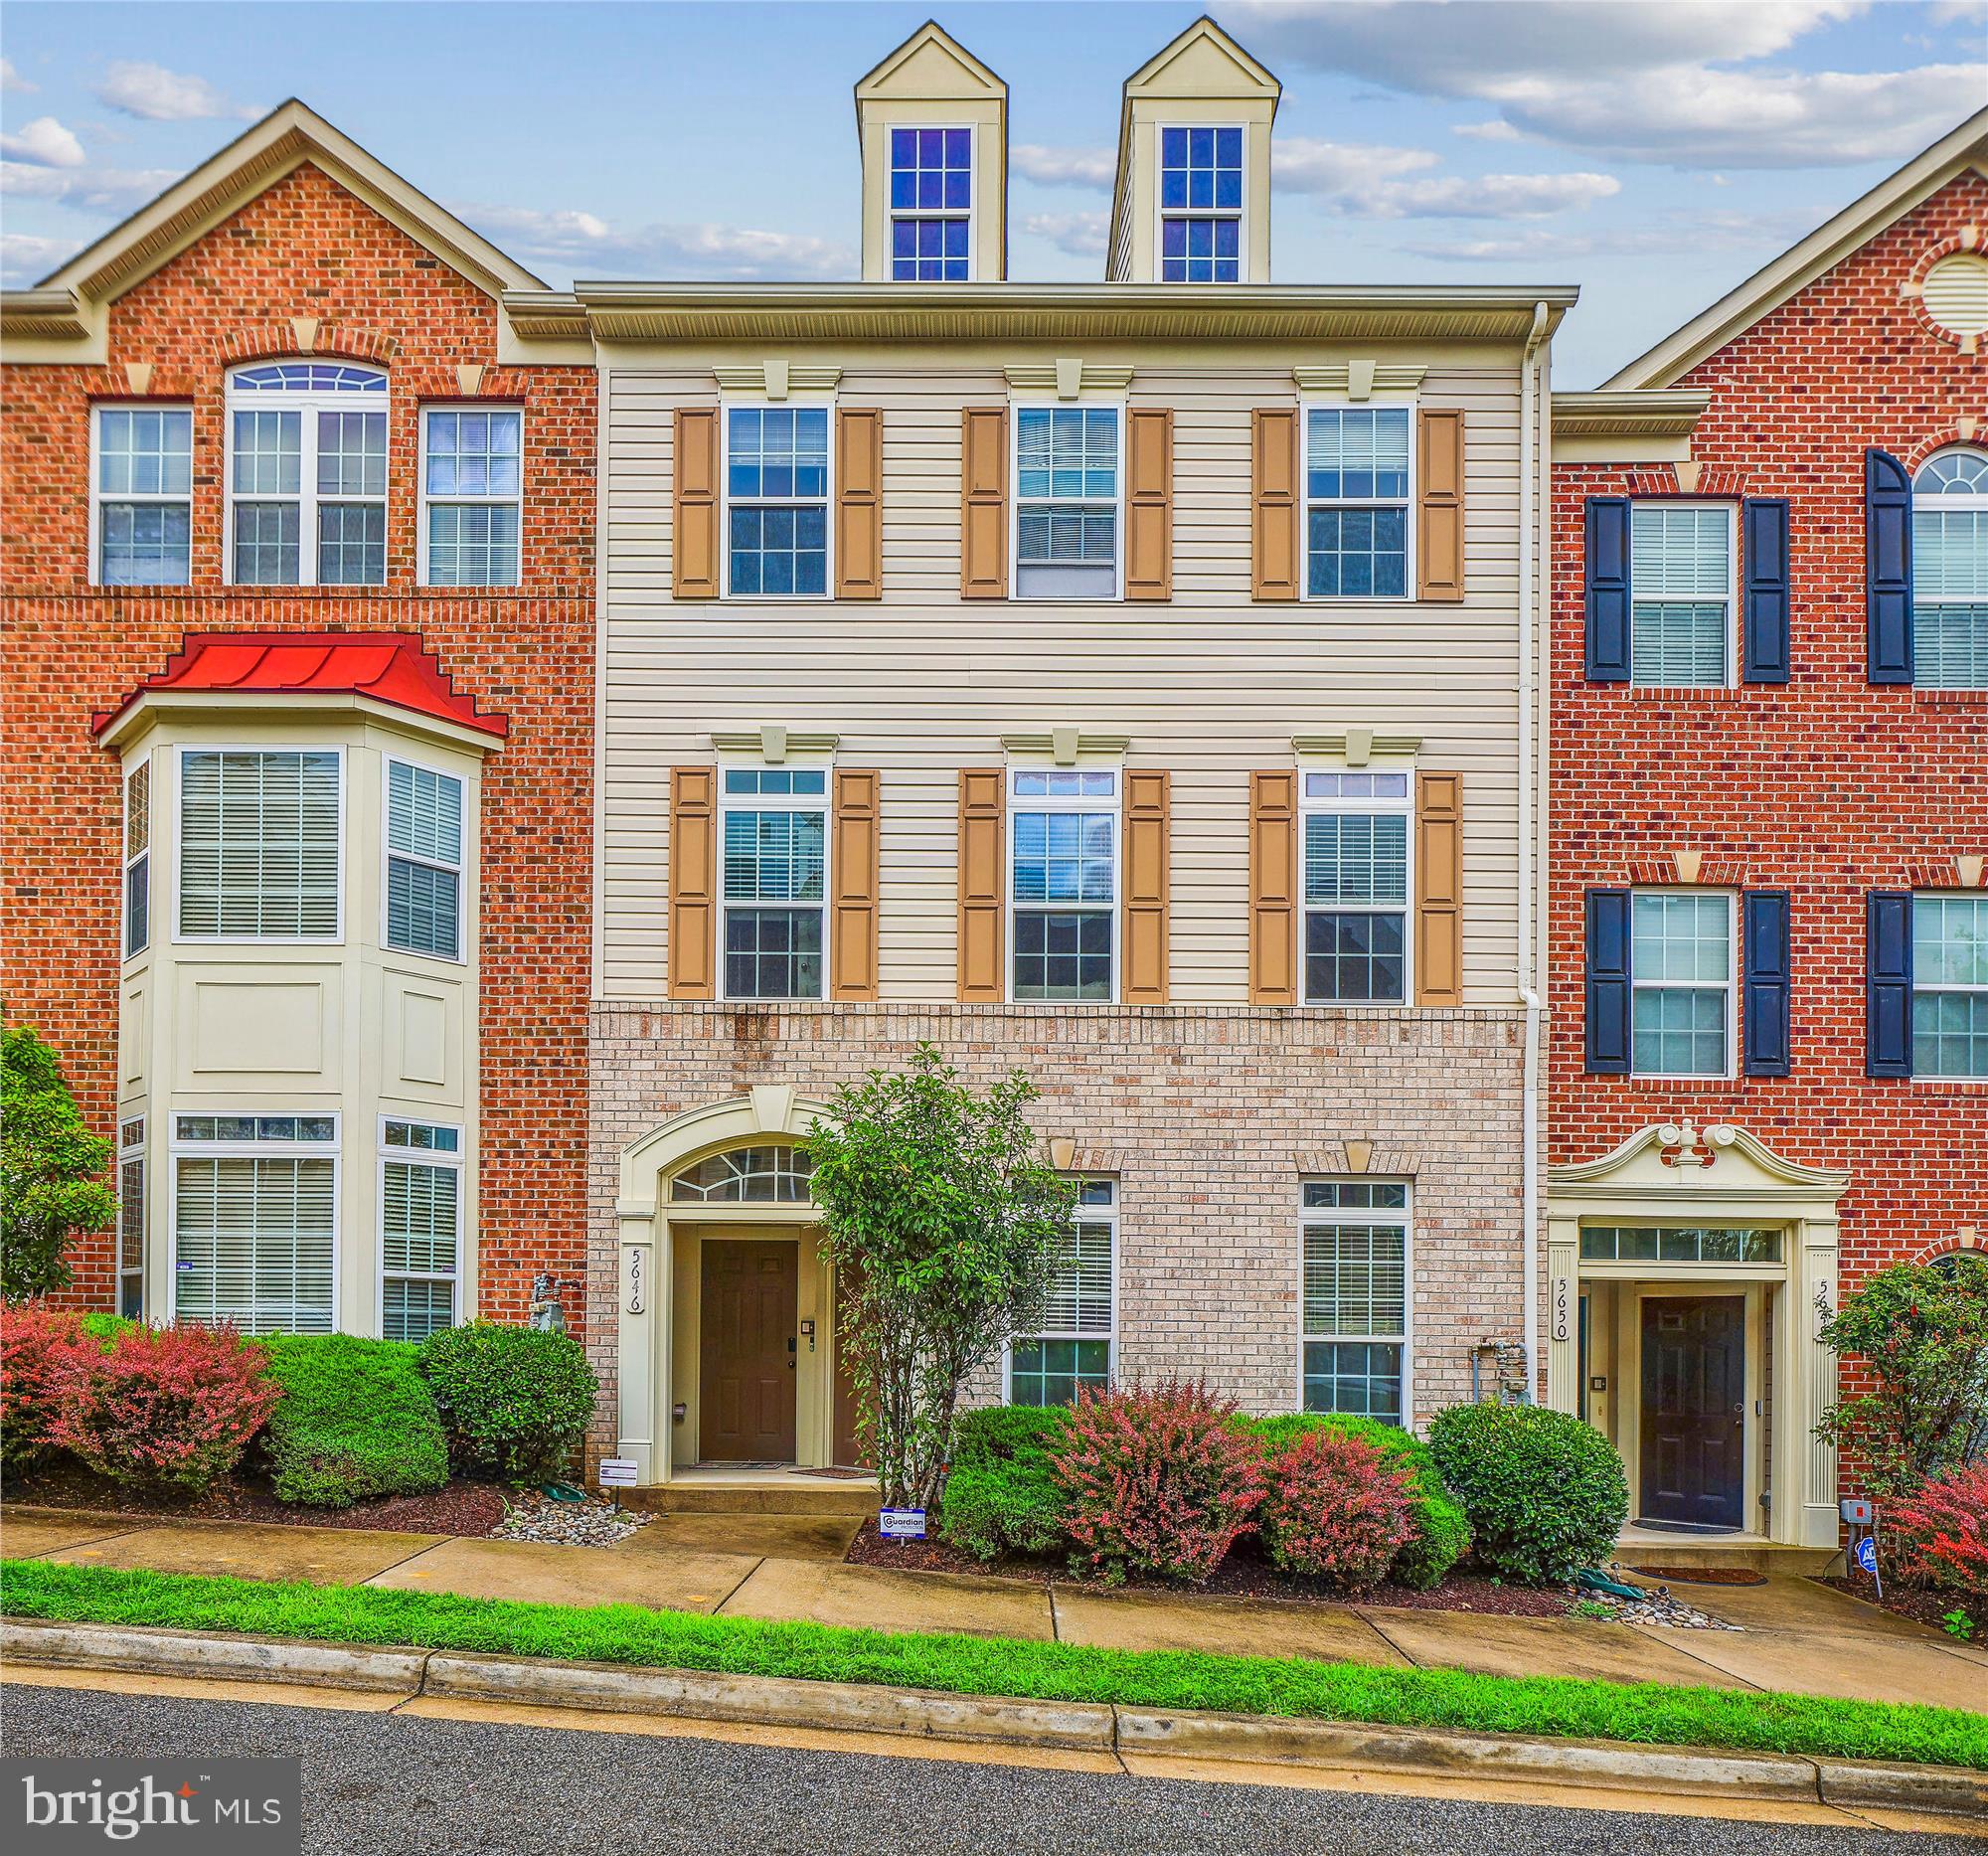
(1554, 1706)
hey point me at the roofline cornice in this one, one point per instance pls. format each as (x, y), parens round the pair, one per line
(1655, 413)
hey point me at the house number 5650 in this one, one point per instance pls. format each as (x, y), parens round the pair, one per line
(1560, 1309)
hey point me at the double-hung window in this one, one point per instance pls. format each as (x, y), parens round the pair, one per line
(260, 833)
(1681, 981)
(931, 206)
(1066, 502)
(1356, 1297)
(1063, 852)
(1950, 572)
(1681, 595)
(1356, 885)
(1070, 1337)
(137, 859)
(472, 461)
(776, 488)
(307, 474)
(145, 496)
(423, 861)
(131, 1219)
(1949, 986)
(1201, 205)
(421, 1227)
(256, 1221)
(774, 830)
(1355, 485)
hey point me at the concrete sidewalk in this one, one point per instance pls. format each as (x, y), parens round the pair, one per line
(1796, 1636)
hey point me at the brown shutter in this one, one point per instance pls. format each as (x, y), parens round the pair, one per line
(853, 930)
(1440, 505)
(694, 551)
(1438, 889)
(693, 882)
(1273, 889)
(1147, 827)
(983, 503)
(982, 820)
(858, 503)
(1273, 487)
(1149, 503)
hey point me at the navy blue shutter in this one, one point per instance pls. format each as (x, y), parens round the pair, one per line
(1887, 568)
(1764, 938)
(1764, 636)
(1607, 1001)
(1887, 983)
(1608, 589)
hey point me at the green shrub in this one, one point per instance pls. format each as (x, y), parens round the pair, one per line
(357, 1422)
(515, 1400)
(103, 1327)
(1001, 1493)
(1443, 1535)
(1545, 1493)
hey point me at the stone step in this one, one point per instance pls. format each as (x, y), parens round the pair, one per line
(1741, 1555)
(824, 1498)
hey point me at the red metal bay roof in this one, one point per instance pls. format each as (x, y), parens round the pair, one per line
(386, 666)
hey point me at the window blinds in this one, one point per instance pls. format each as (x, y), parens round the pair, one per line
(258, 845)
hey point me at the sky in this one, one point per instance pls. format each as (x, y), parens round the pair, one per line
(1654, 152)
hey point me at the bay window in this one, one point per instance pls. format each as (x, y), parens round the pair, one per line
(421, 1227)
(260, 834)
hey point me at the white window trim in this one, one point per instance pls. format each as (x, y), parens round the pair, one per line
(416, 1156)
(1976, 501)
(1344, 403)
(1940, 1075)
(1364, 1215)
(130, 861)
(1731, 986)
(1082, 802)
(759, 404)
(184, 749)
(97, 498)
(1339, 807)
(309, 404)
(1732, 595)
(425, 502)
(777, 802)
(332, 1150)
(131, 1150)
(1079, 1215)
(1016, 408)
(388, 854)
(1163, 212)
(971, 216)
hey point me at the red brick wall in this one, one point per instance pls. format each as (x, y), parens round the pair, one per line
(307, 248)
(1828, 786)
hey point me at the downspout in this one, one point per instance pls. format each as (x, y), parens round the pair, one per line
(1528, 962)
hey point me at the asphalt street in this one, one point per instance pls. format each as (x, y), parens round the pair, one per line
(397, 1785)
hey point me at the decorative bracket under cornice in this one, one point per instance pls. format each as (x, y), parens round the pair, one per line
(1355, 745)
(1063, 744)
(1067, 379)
(777, 378)
(1359, 380)
(774, 743)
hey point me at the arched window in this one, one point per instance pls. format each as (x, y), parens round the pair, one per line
(770, 1175)
(1950, 571)
(307, 474)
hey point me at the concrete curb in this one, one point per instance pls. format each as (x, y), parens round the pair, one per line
(772, 1701)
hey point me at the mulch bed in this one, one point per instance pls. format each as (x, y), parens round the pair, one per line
(1701, 1575)
(1923, 1603)
(468, 1508)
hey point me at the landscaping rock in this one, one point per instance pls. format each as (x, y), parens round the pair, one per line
(590, 1523)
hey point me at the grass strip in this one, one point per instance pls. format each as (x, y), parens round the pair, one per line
(1556, 1707)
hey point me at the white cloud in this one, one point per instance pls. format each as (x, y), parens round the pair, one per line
(161, 95)
(1307, 166)
(1676, 232)
(1063, 167)
(1497, 129)
(1373, 181)
(96, 190)
(586, 245)
(43, 143)
(1083, 234)
(1960, 13)
(11, 79)
(24, 256)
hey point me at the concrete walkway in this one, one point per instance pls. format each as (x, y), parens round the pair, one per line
(1796, 1636)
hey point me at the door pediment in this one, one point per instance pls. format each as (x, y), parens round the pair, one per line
(1679, 1157)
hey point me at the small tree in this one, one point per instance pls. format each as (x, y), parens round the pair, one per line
(942, 1226)
(1921, 1329)
(51, 1168)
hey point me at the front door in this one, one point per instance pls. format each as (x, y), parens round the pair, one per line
(1695, 1410)
(746, 1375)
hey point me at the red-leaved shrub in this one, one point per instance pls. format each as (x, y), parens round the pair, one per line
(1334, 1510)
(166, 1404)
(1158, 1481)
(39, 1346)
(1940, 1536)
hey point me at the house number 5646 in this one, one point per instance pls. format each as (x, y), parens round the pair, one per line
(634, 1281)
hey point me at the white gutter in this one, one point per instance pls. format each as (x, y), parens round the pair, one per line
(1530, 403)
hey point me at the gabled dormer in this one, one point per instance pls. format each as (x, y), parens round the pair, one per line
(932, 124)
(1191, 203)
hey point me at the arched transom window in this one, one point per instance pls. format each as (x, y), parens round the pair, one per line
(1950, 571)
(776, 1174)
(307, 474)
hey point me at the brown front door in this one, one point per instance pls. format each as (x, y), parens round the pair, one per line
(1695, 1410)
(748, 1374)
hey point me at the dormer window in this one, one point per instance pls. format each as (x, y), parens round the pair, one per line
(931, 205)
(307, 475)
(1201, 205)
